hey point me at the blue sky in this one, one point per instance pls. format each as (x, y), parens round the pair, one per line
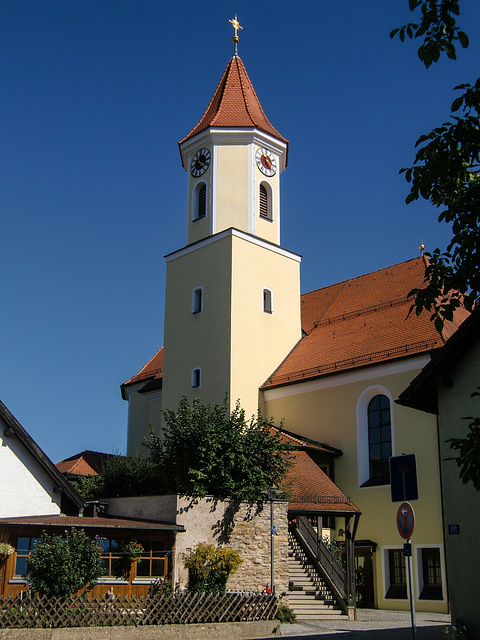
(96, 95)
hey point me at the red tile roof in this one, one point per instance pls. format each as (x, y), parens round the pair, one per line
(301, 442)
(86, 463)
(153, 370)
(234, 104)
(312, 489)
(359, 322)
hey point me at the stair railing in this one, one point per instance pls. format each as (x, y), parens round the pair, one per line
(326, 564)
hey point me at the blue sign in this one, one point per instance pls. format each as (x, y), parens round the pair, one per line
(403, 478)
(453, 529)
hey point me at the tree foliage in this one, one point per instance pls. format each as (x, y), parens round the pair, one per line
(446, 172)
(437, 27)
(61, 566)
(212, 451)
(130, 475)
(203, 450)
(446, 169)
(468, 449)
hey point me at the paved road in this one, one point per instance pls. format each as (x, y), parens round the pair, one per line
(372, 624)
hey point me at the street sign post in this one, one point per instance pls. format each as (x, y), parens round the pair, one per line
(405, 525)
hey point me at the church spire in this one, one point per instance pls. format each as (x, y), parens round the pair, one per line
(235, 105)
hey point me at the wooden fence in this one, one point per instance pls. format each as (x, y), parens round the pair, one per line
(34, 611)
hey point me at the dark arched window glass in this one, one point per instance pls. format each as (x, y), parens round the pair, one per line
(265, 201)
(202, 201)
(379, 438)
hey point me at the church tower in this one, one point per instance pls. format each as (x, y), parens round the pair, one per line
(232, 308)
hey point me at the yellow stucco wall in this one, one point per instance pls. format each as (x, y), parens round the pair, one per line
(462, 501)
(234, 342)
(144, 410)
(261, 340)
(203, 339)
(330, 415)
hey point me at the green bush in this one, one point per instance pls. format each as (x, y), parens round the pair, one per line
(61, 566)
(285, 614)
(209, 568)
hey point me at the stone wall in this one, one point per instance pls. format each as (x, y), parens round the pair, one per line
(222, 523)
(216, 631)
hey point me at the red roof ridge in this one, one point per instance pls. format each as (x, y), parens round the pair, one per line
(362, 275)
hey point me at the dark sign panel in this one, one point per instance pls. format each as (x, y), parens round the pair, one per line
(403, 478)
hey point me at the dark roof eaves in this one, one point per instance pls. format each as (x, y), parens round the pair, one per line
(329, 374)
(421, 392)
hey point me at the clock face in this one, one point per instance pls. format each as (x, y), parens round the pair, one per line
(266, 162)
(200, 162)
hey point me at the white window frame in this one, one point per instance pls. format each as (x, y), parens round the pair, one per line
(267, 293)
(196, 378)
(386, 572)
(197, 301)
(363, 452)
(419, 573)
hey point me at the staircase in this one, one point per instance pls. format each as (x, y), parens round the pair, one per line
(308, 596)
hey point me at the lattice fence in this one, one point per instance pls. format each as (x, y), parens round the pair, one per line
(33, 611)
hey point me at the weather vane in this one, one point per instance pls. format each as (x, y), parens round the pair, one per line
(236, 25)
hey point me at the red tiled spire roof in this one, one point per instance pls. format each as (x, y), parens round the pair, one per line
(362, 321)
(235, 104)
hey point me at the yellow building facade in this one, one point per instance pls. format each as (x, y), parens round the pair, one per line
(329, 363)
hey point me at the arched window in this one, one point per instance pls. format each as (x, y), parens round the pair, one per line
(379, 439)
(199, 201)
(196, 378)
(267, 301)
(197, 300)
(375, 436)
(265, 201)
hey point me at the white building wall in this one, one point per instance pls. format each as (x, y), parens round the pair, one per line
(25, 488)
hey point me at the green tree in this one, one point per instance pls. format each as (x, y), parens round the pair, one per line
(130, 475)
(446, 172)
(61, 566)
(207, 450)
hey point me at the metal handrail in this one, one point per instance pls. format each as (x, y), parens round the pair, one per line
(324, 561)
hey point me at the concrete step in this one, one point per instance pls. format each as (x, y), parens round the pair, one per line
(308, 597)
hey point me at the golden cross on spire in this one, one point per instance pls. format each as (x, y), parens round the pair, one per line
(236, 25)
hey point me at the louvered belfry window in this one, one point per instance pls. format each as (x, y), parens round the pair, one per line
(264, 213)
(202, 201)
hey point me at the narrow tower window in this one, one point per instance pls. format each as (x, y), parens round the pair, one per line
(197, 300)
(196, 378)
(265, 201)
(267, 301)
(199, 201)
